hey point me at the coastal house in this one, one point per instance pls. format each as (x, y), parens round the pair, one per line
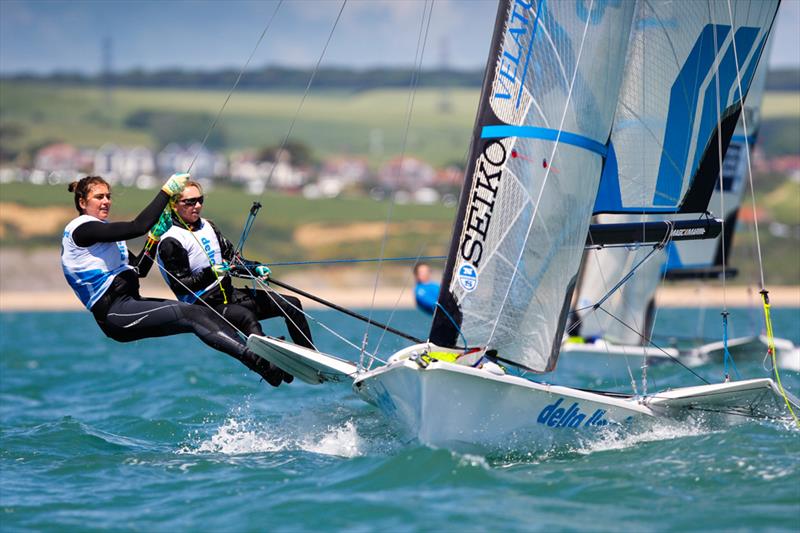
(406, 173)
(124, 165)
(204, 163)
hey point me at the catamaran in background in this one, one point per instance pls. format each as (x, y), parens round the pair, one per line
(567, 98)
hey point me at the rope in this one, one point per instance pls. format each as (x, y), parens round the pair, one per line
(235, 84)
(369, 260)
(659, 348)
(728, 356)
(771, 352)
(422, 39)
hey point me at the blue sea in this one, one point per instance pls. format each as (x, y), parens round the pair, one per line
(167, 435)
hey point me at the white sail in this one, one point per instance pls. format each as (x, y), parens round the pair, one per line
(680, 100)
(626, 316)
(702, 259)
(545, 114)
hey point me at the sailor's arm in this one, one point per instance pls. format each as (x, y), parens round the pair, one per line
(91, 233)
(175, 261)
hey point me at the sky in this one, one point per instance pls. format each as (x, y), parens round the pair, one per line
(42, 36)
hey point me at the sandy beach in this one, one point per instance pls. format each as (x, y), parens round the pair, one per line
(390, 297)
(32, 281)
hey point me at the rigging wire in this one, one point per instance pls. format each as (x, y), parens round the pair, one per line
(300, 105)
(764, 292)
(726, 353)
(235, 84)
(422, 39)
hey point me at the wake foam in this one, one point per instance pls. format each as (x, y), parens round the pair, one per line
(659, 431)
(242, 436)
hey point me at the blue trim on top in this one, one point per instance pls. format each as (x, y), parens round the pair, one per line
(547, 134)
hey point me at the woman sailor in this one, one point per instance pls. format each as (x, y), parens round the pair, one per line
(103, 274)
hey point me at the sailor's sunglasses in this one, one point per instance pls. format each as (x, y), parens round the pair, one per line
(192, 201)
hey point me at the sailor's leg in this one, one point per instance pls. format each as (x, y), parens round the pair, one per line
(130, 319)
(241, 317)
(274, 305)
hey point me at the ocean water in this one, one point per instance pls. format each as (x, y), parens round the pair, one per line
(167, 435)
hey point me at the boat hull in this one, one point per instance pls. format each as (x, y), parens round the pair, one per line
(457, 407)
(749, 348)
(467, 409)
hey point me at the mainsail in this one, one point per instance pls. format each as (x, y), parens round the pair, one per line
(680, 102)
(545, 115)
(694, 260)
(665, 147)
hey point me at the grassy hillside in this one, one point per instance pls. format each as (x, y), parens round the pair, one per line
(287, 228)
(330, 122)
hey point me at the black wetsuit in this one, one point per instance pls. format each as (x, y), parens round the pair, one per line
(244, 307)
(124, 315)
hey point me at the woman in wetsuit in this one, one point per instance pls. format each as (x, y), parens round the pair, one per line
(103, 274)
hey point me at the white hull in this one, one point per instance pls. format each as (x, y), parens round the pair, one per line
(459, 407)
(749, 348)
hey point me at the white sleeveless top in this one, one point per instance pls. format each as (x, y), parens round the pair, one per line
(203, 249)
(90, 271)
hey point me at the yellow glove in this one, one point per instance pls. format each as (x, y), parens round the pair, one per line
(175, 184)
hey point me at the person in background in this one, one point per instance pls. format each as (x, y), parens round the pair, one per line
(103, 273)
(197, 261)
(426, 292)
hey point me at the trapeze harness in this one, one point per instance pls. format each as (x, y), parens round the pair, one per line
(186, 255)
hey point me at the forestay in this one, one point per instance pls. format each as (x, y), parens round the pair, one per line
(545, 114)
(680, 101)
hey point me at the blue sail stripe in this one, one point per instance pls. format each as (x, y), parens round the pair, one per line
(547, 134)
(680, 118)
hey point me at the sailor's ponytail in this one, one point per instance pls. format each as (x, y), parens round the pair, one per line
(82, 187)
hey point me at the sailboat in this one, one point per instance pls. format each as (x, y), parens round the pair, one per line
(621, 336)
(555, 74)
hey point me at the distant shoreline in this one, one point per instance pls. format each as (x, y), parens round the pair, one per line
(391, 297)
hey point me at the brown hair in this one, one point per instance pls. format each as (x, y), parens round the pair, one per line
(82, 187)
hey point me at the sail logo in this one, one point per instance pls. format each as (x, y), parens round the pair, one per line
(485, 184)
(468, 278)
(512, 64)
(555, 416)
(688, 232)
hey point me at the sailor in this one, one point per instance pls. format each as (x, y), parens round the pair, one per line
(426, 292)
(197, 259)
(102, 272)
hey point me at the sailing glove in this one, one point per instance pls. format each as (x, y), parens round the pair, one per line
(263, 271)
(162, 226)
(221, 269)
(175, 184)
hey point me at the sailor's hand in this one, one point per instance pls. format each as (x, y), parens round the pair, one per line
(221, 269)
(162, 226)
(175, 184)
(263, 271)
